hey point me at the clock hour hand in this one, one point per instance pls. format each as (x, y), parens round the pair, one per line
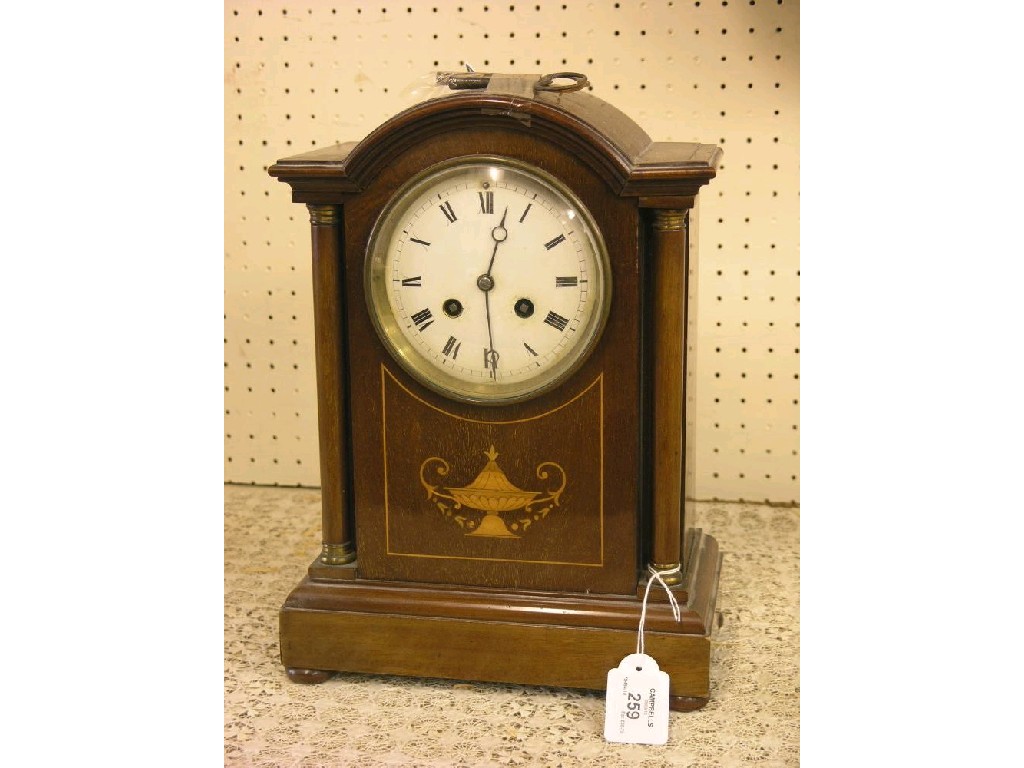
(499, 233)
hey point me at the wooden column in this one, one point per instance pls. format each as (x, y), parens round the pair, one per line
(338, 547)
(669, 271)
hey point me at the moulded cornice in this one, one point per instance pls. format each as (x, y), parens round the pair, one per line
(596, 132)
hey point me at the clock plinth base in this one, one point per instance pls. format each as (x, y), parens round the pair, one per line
(566, 640)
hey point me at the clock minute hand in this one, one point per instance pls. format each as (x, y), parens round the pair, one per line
(490, 354)
(485, 283)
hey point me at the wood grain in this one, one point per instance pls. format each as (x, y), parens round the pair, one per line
(595, 439)
(332, 389)
(602, 137)
(668, 253)
(556, 604)
(497, 635)
(466, 650)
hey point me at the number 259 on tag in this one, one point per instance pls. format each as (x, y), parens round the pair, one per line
(636, 702)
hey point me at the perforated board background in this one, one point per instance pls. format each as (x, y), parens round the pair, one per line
(304, 75)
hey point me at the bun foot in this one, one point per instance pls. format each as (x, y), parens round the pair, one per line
(309, 676)
(686, 703)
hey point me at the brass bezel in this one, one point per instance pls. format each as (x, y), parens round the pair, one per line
(421, 368)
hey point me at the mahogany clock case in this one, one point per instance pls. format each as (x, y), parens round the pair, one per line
(428, 593)
(406, 423)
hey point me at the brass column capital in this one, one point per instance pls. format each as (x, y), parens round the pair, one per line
(669, 220)
(323, 215)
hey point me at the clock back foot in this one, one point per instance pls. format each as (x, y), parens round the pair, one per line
(309, 676)
(686, 703)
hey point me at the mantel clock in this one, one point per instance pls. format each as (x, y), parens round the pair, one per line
(500, 281)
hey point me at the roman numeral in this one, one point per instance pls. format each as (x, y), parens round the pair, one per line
(555, 241)
(413, 282)
(556, 321)
(566, 282)
(491, 361)
(452, 347)
(446, 209)
(530, 349)
(423, 320)
(486, 202)
(528, 206)
(421, 242)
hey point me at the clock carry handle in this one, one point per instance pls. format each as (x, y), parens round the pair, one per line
(459, 81)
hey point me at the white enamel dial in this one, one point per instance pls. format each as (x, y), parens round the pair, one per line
(487, 280)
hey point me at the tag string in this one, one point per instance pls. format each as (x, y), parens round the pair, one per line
(656, 576)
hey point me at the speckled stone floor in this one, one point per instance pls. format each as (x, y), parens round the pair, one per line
(271, 536)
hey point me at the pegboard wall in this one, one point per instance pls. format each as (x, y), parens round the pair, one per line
(299, 76)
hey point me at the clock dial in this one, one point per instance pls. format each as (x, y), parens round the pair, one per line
(488, 280)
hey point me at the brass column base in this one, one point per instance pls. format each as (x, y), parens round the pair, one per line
(337, 554)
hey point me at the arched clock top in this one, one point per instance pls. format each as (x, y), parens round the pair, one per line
(501, 288)
(594, 131)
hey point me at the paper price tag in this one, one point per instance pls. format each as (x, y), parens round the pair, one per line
(636, 702)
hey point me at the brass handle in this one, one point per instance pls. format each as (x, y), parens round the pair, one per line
(546, 83)
(460, 81)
